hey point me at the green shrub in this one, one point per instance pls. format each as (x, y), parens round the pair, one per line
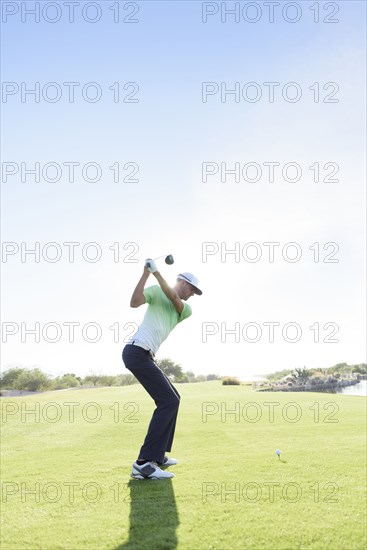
(33, 380)
(66, 381)
(230, 381)
(9, 377)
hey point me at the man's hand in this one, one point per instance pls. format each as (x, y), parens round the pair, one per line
(150, 265)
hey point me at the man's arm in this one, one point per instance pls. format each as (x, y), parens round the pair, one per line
(137, 298)
(169, 292)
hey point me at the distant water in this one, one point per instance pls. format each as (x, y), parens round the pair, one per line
(357, 389)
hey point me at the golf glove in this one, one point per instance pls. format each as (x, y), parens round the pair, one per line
(152, 268)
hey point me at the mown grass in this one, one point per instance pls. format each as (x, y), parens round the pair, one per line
(230, 490)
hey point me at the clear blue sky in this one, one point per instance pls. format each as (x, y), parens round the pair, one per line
(169, 133)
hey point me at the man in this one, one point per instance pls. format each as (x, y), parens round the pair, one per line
(166, 307)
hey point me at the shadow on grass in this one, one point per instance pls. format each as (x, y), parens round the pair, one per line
(153, 516)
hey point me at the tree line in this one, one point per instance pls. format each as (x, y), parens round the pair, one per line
(23, 379)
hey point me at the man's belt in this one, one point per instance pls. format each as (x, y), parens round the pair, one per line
(142, 345)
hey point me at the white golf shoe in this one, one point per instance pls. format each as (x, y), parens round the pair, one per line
(149, 470)
(168, 461)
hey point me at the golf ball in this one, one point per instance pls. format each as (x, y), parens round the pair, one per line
(277, 452)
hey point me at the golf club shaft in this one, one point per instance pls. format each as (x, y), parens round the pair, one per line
(154, 259)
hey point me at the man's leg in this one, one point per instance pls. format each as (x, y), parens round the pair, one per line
(173, 422)
(161, 429)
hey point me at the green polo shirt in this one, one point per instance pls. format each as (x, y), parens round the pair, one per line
(160, 318)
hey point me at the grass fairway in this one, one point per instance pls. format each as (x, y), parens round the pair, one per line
(66, 471)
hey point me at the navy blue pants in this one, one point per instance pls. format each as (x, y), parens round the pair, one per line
(162, 425)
